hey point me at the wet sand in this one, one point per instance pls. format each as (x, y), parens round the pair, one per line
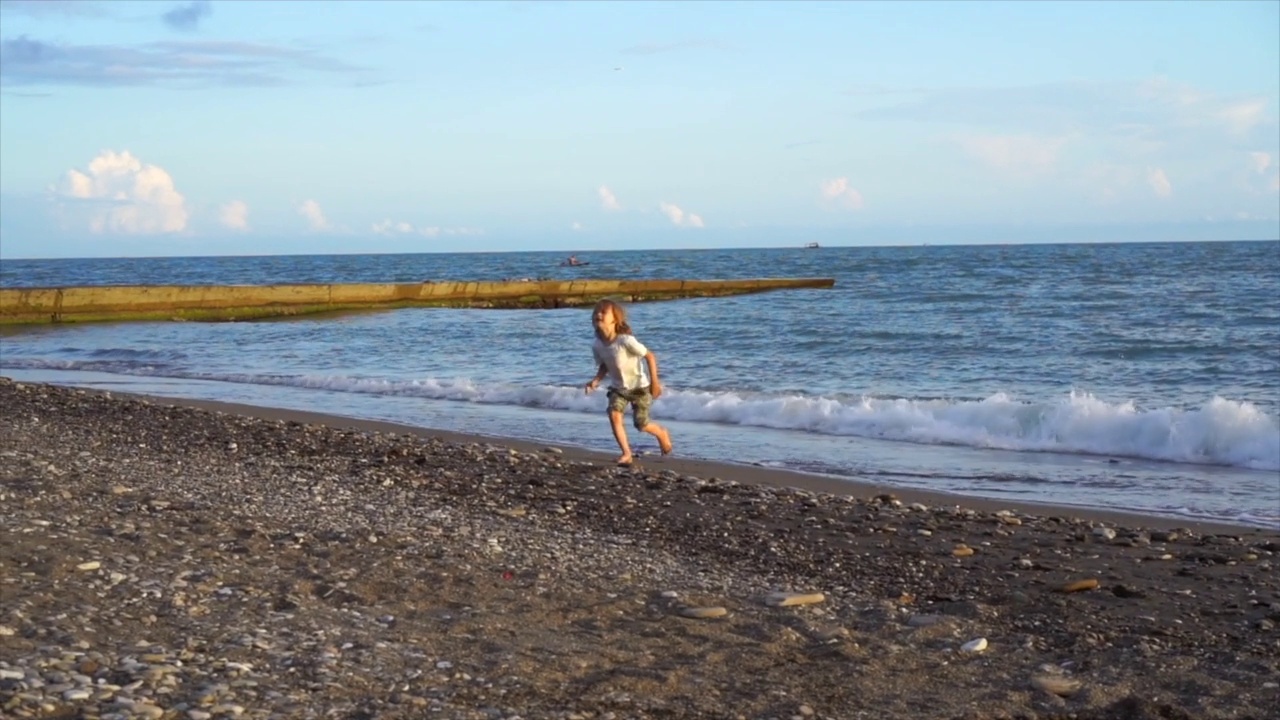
(742, 473)
(170, 558)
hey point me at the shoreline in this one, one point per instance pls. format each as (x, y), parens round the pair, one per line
(200, 560)
(748, 474)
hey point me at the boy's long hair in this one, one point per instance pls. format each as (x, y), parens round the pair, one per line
(619, 315)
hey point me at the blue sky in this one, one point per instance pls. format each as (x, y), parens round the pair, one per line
(209, 128)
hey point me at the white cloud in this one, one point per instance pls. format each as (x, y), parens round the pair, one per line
(1275, 183)
(608, 200)
(121, 194)
(1242, 117)
(576, 226)
(1159, 182)
(1260, 161)
(389, 227)
(1023, 154)
(434, 231)
(234, 215)
(1088, 109)
(837, 189)
(400, 227)
(679, 217)
(310, 209)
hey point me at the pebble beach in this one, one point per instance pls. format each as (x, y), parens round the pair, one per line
(184, 559)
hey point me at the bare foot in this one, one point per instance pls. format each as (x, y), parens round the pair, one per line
(664, 442)
(624, 460)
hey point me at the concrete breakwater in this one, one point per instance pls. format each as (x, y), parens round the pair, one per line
(249, 302)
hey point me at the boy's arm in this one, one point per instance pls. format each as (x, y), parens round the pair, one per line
(595, 381)
(655, 386)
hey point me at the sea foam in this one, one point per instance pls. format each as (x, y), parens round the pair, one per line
(1217, 432)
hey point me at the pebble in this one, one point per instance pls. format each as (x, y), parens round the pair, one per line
(789, 599)
(976, 645)
(1055, 684)
(703, 612)
(91, 565)
(1079, 586)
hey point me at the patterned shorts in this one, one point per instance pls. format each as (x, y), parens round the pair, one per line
(640, 399)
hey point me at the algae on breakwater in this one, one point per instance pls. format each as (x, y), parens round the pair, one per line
(254, 302)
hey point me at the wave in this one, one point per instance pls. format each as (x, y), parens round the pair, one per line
(1218, 432)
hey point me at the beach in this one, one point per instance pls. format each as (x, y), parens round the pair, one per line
(187, 559)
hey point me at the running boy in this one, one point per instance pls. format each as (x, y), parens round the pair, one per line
(631, 382)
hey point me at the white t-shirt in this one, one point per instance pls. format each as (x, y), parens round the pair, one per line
(624, 359)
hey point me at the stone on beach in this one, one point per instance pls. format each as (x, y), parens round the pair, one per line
(703, 612)
(1079, 586)
(1056, 684)
(789, 599)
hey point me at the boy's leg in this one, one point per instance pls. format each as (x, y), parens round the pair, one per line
(664, 437)
(620, 434)
(617, 406)
(641, 402)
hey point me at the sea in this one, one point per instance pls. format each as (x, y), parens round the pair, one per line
(1132, 376)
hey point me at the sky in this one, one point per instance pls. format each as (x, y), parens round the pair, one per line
(237, 127)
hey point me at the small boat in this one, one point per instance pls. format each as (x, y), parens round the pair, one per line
(573, 261)
(812, 246)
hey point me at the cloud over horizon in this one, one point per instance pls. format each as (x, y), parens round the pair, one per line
(838, 190)
(120, 194)
(400, 227)
(1159, 182)
(1260, 161)
(608, 200)
(310, 209)
(234, 215)
(1017, 153)
(1063, 107)
(679, 217)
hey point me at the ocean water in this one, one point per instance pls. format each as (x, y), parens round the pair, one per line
(1143, 377)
